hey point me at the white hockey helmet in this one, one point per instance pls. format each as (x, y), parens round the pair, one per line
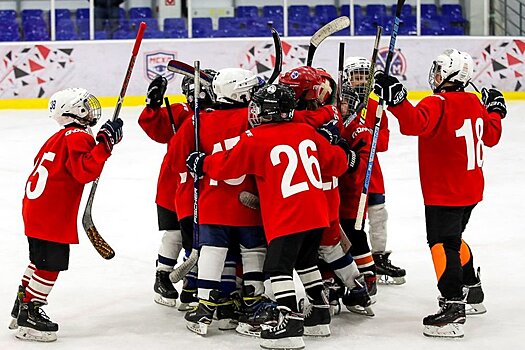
(355, 72)
(74, 105)
(234, 85)
(452, 66)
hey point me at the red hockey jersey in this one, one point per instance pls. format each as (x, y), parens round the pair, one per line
(330, 183)
(66, 162)
(452, 127)
(219, 201)
(287, 160)
(158, 126)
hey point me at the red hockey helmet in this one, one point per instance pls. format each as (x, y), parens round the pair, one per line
(305, 82)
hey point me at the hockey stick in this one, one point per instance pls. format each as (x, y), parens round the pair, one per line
(278, 55)
(379, 115)
(101, 246)
(340, 73)
(249, 200)
(324, 32)
(178, 273)
(370, 78)
(188, 71)
(170, 114)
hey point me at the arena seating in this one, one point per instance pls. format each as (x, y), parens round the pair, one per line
(249, 21)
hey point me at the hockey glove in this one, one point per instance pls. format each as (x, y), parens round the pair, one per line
(195, 162)
(389, 89)
(156, 90)
(330, 131)
(494, 101)
(352, 155)
(110, 133)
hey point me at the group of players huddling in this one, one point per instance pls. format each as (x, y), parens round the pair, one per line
(280, 170)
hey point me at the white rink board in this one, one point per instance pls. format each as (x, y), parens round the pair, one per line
(31, 70)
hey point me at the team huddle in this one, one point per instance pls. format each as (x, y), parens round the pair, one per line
(279, 171)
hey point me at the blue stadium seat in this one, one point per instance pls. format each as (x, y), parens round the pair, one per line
(429, 11)
(273, 11)
(152, 34)
(7, 15)
(301, 28)
(9, 31)
(124, 34)
(405, 11)
(431, 26)
(376, 10)
(152, 23)
(247, 11)
(202, 27)
(36, 35)
(174, 24)
(365, 28)
(358, 11)
(451, 11)
(62, 14)
(325, 13)
(407, 26)
(175, 33)
(101, 35)
(32, 13)
(66, 35)
(82, 13)
(454, 30)
(299, 12)
(140, 12)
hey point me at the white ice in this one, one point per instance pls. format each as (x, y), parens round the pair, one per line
(109, 304)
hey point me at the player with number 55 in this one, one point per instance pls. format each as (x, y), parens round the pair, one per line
(453, 126)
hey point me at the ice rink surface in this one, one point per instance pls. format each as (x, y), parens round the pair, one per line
(109, 304)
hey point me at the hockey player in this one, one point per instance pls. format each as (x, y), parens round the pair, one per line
(223, 221)
(66, 162)
(356, 71)
(452, 126)
(156, 122)
(287, 160)
(315, 90)
(158, 125)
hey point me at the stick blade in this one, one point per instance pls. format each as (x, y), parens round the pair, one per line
(101, 246)
(185, 69)
(182, 270)
(330, 28)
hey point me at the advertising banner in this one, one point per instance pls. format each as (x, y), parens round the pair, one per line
(30, 70)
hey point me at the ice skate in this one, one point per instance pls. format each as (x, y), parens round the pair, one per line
(474, 297)
(357, 299)
(188, 297)
(228, 312)
(256, 311)
(316, 318)
(448, 321)
(386, 272)
(287, 334)
(370, 279)
(334, 291)
(16, 307)
(165, 293)
(201, 316)
(34, 324)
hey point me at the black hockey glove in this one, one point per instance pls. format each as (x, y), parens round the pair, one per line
(389, 89)
(330, 131)
(156, 90)
(494, 101)
(352, 155)
(110, 133)
(195, 162)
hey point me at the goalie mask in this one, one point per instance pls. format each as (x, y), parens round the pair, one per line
(208, 98)
(272, 103)
(74, 105)
(452, 66)
(235, 85)
(305, 81)
(356, 70)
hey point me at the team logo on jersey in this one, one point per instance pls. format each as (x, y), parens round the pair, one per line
(398, 66)
(294, 75)
(156, 64)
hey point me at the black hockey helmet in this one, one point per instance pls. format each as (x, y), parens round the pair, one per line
(207, 95)
(272, 103)
(350, 100)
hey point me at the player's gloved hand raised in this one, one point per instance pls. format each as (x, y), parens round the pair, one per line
(389, 89)
(156, 90)
(330, 131)
(195, 162)
(110, 133)
(494, 101)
